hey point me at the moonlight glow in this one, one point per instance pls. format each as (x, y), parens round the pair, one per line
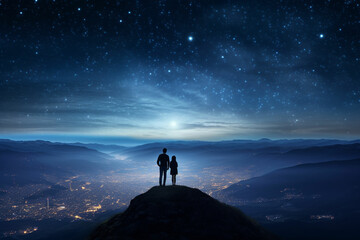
(173, 124)
(230, 69)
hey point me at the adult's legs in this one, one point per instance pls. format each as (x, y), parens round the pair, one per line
(161, 173)
(165, 170)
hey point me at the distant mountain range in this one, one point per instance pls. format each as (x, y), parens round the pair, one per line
(248, 158)
(29, 161)
(100, 147)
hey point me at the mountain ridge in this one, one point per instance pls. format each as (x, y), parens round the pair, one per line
(179, 212)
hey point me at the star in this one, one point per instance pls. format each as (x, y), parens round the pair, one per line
(206, 63)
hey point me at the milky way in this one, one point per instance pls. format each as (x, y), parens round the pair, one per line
(180, 69)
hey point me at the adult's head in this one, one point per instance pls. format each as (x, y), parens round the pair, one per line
(173, 158)
(164, 150)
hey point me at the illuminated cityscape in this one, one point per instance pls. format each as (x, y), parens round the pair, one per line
(81, 198)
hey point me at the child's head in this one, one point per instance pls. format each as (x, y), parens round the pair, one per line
(173, 158)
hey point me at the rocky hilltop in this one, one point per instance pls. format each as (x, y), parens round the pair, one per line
(179, 212)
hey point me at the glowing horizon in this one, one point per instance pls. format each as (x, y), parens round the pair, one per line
(223, 77)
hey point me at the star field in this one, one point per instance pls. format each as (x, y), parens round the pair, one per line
(181, 69)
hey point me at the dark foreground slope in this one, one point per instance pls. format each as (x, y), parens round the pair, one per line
(309, 201)
(178, 212)
(330, 183)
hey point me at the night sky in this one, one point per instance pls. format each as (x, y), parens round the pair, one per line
(180, 69)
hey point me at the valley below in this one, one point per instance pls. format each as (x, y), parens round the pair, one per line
(48, 190)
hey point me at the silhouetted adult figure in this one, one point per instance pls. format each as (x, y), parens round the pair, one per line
(163, 162)
(173, 171)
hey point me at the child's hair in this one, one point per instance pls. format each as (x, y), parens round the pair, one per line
(173, 158)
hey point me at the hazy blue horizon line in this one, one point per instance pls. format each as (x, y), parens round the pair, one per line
(130, 141)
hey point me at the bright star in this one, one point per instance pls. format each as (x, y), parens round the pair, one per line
(190, 38)
(321, 35)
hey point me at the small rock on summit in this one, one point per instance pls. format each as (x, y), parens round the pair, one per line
(179, 212)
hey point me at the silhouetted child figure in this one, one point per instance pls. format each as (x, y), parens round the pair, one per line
(174, 170)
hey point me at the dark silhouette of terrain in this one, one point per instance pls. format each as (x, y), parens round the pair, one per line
(308, 201)
(327, 181)
(178, 212)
